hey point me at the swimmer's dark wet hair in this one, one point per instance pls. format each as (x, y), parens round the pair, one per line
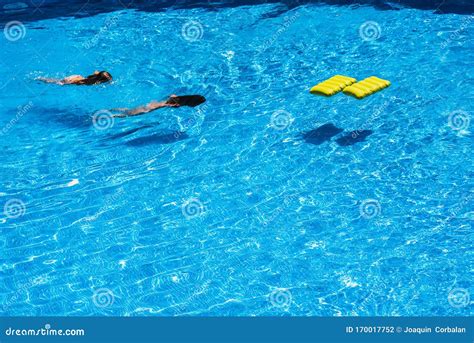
(94, 79)
(105, 75)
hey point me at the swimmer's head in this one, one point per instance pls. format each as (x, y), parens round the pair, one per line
(98, 77)
(105, 76)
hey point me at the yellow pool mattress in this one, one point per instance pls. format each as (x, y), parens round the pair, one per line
(366, 87)
(332, 85)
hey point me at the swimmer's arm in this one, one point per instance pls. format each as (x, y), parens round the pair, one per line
(132, 112)
(152, 106)
(50, 80)
(70, 80)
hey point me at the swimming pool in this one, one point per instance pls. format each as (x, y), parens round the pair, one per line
(231, 208)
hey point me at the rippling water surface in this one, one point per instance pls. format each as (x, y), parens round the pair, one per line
(233, 208)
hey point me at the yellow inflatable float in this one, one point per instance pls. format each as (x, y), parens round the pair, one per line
(349, 86)
(332, 85)
(366, 87)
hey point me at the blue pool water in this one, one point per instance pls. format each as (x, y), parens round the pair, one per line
(236, 207)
